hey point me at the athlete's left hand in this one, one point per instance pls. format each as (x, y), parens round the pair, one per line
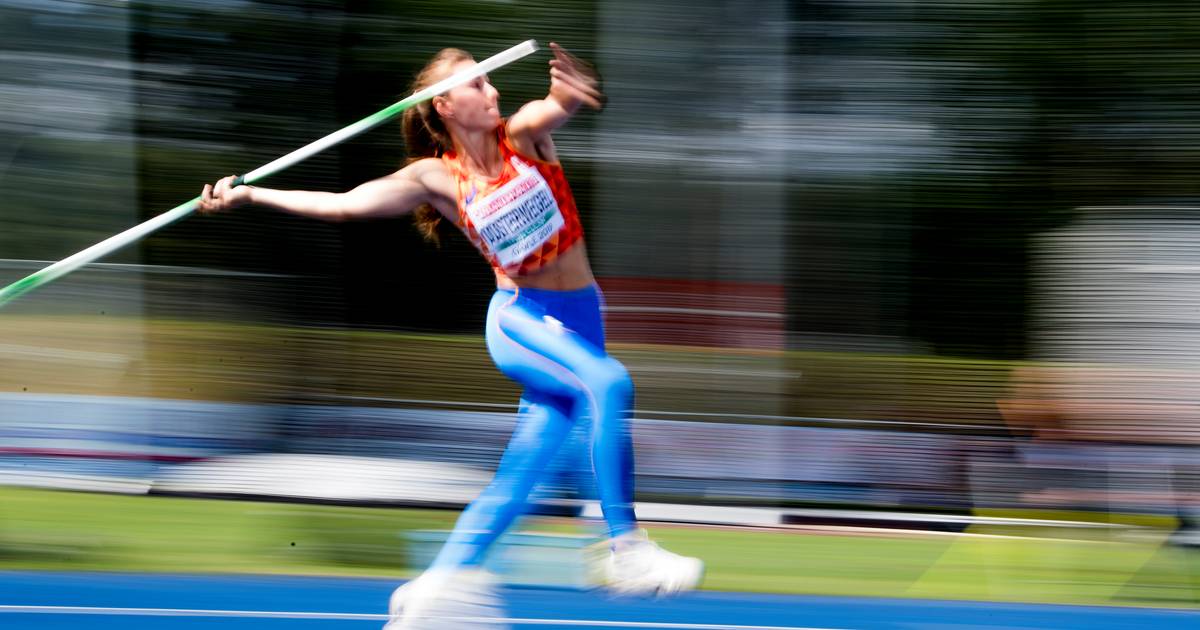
(574, 82)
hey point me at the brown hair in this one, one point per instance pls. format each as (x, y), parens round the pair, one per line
(425, 134)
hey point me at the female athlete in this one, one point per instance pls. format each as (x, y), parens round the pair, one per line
(500, 182)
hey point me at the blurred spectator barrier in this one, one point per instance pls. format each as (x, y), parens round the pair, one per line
(442, 456)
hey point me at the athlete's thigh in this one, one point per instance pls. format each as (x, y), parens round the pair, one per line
(540, 353)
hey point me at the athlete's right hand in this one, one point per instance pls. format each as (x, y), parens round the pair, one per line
(223, 196)
(573, 81)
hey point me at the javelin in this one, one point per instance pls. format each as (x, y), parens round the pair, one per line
(111, 244)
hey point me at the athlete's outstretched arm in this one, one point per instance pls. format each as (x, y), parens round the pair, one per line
(396, 194)
(573, 84)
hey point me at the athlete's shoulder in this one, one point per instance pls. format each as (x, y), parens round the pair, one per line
(528, 146)
(430, 169)
(427, 165)
(431, 173)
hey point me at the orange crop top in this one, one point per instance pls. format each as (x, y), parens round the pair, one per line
(521, 220)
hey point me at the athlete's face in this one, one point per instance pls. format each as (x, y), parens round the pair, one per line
(473, 105)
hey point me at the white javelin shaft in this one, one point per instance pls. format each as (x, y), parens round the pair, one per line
(113, 243)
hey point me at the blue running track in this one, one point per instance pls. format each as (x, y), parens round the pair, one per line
(46, 600)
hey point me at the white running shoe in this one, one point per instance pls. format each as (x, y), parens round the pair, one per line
(464, 599)
(638, 566)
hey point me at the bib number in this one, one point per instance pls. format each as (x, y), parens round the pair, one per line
(517, 218)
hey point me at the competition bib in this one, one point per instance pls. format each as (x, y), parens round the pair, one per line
(517, 218)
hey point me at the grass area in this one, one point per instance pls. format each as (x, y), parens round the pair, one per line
(42, 529)
(81, 531)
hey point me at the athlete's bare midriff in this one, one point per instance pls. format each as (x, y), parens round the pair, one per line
(569, 271)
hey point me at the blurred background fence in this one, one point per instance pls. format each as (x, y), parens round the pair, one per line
(871, 252)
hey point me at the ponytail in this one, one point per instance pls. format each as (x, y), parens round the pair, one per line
(425, 133)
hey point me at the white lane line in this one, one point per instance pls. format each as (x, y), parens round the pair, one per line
(192, 612)
(182, 612)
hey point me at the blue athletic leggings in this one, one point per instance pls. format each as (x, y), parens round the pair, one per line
(552, 343)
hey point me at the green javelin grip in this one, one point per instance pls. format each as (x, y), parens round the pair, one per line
(112, 244)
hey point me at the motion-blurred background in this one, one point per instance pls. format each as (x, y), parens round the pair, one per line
(885, 263)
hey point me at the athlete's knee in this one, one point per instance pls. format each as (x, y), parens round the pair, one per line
(613, 380)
